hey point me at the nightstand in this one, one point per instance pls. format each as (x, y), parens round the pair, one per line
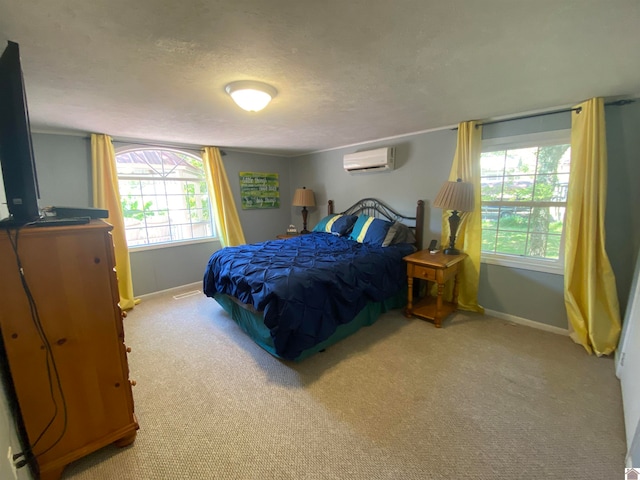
(438, 268)
(284, 236)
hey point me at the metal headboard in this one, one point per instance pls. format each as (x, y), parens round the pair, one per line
(378, 209)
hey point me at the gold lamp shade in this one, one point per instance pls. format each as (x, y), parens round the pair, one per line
(456, 196)
(304, 198)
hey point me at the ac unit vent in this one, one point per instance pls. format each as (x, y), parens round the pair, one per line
(377, 160)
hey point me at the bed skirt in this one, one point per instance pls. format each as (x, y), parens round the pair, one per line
(251, 321)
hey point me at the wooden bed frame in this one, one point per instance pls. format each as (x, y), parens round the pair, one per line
(376, 208)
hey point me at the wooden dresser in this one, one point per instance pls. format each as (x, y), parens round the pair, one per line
(69, 271)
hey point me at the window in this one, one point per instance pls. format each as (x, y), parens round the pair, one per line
(164, 196)
(524, 184)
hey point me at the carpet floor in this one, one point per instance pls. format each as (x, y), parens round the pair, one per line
(479, 398)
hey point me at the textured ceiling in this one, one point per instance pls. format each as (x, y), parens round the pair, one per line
(347, 71)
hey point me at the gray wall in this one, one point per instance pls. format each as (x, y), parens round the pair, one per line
(64, 172)
(623, 196)
(423, 163)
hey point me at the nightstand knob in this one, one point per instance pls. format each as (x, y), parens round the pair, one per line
(128, 349)
(133, 383)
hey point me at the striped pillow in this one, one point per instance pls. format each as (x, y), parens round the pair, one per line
(337, 224)
(370, 230)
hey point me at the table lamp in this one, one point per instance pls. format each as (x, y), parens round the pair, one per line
(458, 197)
(304, 198)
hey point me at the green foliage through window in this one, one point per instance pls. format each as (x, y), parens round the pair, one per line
(524, 194)
(164, 196)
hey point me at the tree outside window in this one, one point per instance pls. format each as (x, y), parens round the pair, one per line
(524, 197)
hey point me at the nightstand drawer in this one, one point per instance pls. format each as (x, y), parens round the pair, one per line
(424, 272)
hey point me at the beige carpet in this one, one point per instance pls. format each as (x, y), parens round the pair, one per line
(479, 398)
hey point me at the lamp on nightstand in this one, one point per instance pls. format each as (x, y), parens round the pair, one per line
(304, 198)
(458, 197)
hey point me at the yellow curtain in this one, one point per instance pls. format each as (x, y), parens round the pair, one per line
(466, 165)
(107, 195)
(589, 283)
(227, 220)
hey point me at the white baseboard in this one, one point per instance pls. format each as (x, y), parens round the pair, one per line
(526, 322)
(170, 290)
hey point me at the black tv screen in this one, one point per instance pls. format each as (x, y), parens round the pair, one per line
(16, 151)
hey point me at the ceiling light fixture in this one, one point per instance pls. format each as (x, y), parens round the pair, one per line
(251, 96)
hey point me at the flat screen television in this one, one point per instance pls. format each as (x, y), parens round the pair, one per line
(16, 150)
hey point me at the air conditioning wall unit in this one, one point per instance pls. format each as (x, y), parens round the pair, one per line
(377, 160)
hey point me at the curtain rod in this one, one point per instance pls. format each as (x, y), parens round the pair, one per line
(617, 103)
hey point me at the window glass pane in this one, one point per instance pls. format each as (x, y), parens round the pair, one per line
(181, 231)
(492, 163)
(535, 181)
(522, 160)
(511, 243)
(554, 158)
(491, 188)
(137, 235)
(129, 187)
(490, 217)
(167, 200)
(133, 207)
(545, 188)
(543, 245)
(201, 230)
(515, 219)
(159, 234)
(152, 187)
(178, 216)
(562, 187)
(489, 240)
(518, 188)
(547, 219)
(553, 246)
(157, 202)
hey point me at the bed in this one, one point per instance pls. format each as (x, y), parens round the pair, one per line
(295, 297)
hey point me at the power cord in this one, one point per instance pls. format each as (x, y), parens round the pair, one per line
(28, 453)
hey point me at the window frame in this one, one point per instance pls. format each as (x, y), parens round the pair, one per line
(539, 139)
(174, 243)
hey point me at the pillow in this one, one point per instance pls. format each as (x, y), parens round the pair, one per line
(399, 233)
(370, 230)
(336, 223)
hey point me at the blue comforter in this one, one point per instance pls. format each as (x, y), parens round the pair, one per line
(308, 285)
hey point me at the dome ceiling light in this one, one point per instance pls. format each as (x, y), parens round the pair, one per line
(251, 96)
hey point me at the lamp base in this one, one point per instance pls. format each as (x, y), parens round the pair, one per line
(451, 251)
(304, 230)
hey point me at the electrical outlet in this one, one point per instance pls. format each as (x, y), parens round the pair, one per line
(13, 467)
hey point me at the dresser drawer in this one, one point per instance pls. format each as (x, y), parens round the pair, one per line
(423, 272)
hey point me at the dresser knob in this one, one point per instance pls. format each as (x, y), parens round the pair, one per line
(128, 349)
(133, 383)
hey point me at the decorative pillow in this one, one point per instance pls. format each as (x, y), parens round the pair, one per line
(336, 223)
(370, 230)
(399, 233)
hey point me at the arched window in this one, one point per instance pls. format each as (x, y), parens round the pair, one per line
(164, 196)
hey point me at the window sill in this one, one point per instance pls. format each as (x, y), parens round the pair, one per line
(157, 246)
(555, 267)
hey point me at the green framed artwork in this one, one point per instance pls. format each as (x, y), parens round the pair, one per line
(259, 190)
